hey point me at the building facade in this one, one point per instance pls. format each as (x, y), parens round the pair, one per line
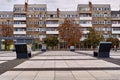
(33, 20)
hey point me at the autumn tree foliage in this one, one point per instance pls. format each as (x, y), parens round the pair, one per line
(115, 42)
(70, 32)
(6, 31)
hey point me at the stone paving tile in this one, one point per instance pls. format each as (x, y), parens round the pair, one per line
(2, 62)
(64, 75)
(26, 75)
(10, 75)
(7, 58)
(83, 75)
(64, 59)
(102, 75)
(45, 75)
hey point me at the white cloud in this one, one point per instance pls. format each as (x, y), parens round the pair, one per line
(54, 4)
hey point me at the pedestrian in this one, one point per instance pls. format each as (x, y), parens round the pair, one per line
(115, 47)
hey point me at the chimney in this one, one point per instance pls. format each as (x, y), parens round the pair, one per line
(58, 12)
(90, 5)
(26, 5)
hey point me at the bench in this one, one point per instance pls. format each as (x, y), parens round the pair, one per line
(43, 48)
(22, 51)
(72, 48)
(104, 50)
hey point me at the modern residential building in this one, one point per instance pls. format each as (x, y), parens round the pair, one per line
(115, 16)
(33, 20)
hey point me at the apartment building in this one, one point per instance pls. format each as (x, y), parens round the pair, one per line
(97, 16)
(115, 19)
(29, 20)
(6, 20)
(33, 20)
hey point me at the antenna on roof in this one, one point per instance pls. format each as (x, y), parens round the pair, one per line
(26, 1)
(26, 5)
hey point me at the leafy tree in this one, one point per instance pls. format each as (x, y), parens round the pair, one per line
(114, 41)
(7, 31)
(51, 41)
(69, 32)
(93, 38)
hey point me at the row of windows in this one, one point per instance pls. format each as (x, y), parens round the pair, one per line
(61, 16)
(101, 15)
(85, 15)
(115, 22)
(5, 16)
(51, 29)
(85, 22)
(103, 29)
(30, 9)
(19, 22)
(116, 29)
(116, 35)
(19, 29)
(101, 22)
(116, 15)
(36, 9)
(19, 15)
(36, 15)
(101, 9)
(6, 22)
(95, 9)
(33, 29)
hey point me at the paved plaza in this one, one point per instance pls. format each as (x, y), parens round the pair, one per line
(60, 65)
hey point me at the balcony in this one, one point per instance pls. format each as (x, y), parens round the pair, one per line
(115, 25)
(85, 32)
(19, 25)
(115, 32)
(85, 18)
(52, 32)
(86, 25)
(19, 18)
(115, 18)
(19, 32)
(52, 25)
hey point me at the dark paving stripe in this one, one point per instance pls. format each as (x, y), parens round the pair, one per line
(112, 60)
(7, 66)
(10, 64)
(58, 59)
(64, 69)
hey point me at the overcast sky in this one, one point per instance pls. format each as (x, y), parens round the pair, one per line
(65, 5)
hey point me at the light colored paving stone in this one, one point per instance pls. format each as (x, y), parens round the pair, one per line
(114, 73)
(82, 75)
(60, 64)
(30, 64)
(7, 58)
(45, 75)
(115, 57)
(9, 75)
(27, 75)
(39, 57)
(64, 75)
(102, 75)
(2, 62)
(95, 63)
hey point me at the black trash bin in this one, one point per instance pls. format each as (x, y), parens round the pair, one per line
(22, 51)
(104, 50)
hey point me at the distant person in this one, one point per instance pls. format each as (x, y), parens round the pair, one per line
(115, 47)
